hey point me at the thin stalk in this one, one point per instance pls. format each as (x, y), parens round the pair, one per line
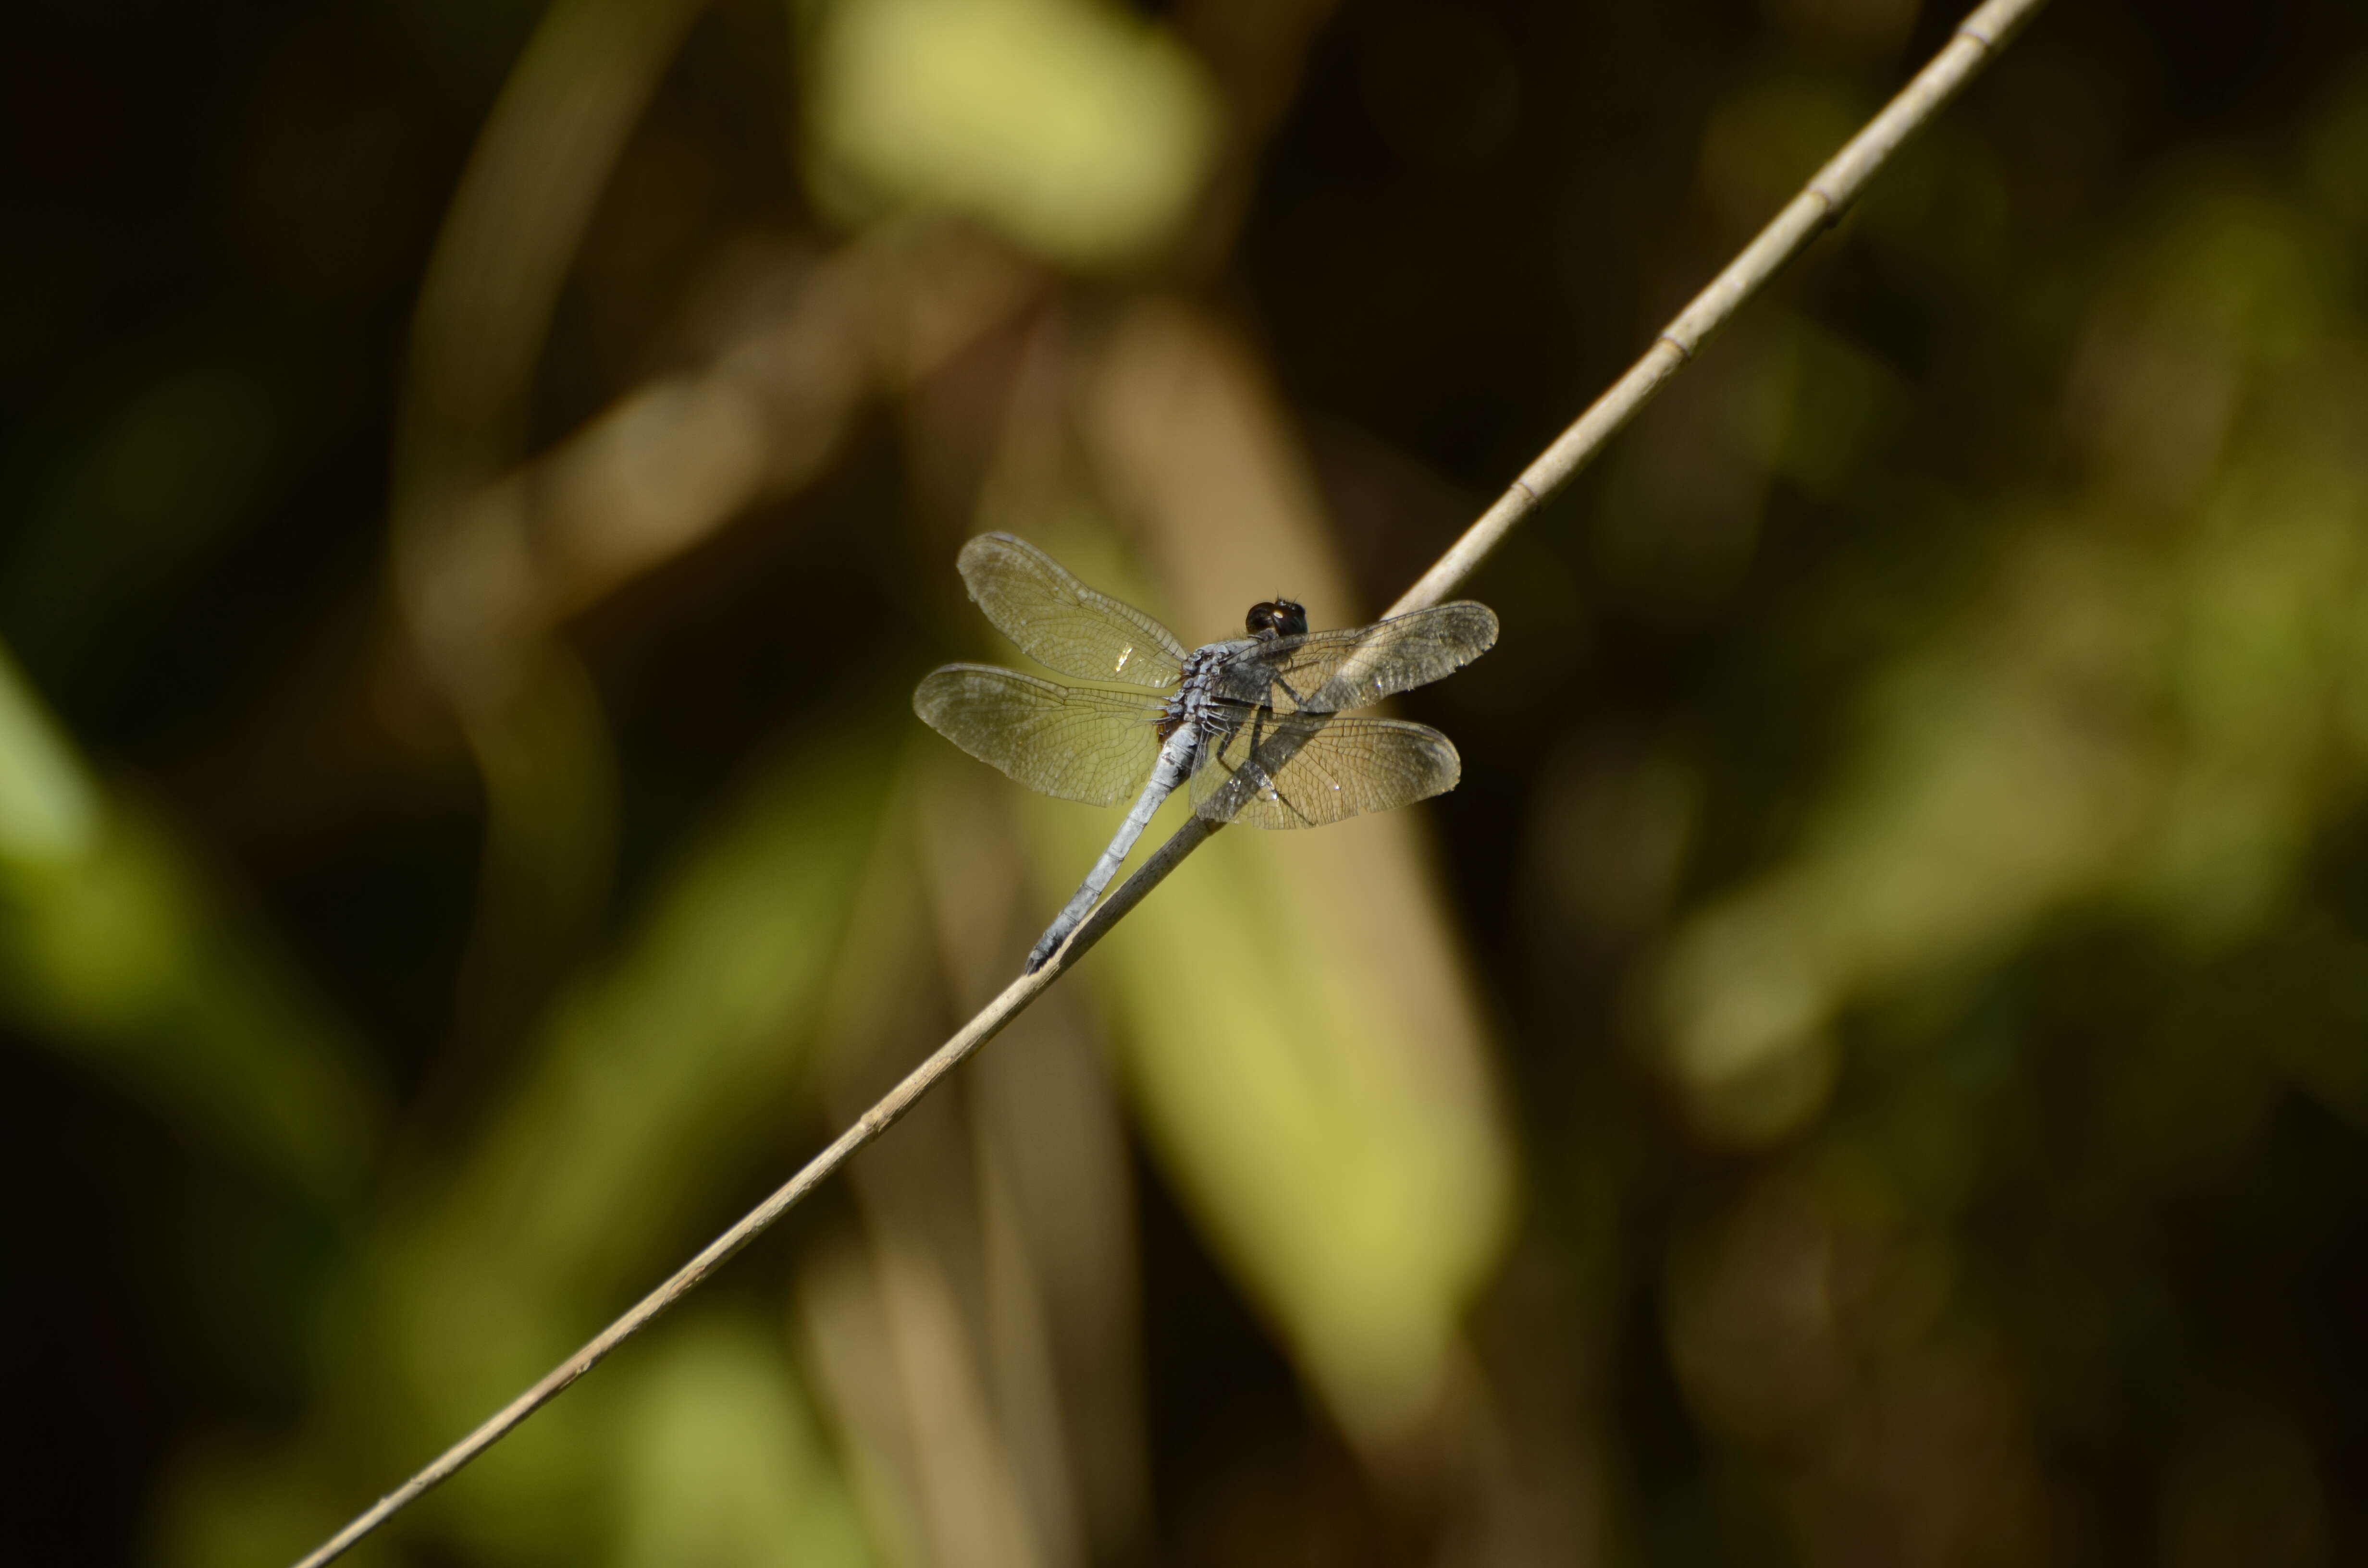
(1818, 205)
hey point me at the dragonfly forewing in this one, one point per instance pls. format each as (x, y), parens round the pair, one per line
(1060, 623)
(1307, 769)
(1094, 747)
(1326, 672)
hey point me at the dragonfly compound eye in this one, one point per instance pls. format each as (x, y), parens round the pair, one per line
(1278, 618)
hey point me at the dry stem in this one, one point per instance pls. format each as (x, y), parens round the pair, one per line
(1819, 201)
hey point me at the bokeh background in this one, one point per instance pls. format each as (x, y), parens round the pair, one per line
(1869, 1068)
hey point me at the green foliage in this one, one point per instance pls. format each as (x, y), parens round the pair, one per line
(1870, 1065)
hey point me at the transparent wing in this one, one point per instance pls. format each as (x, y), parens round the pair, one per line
(1060, 623)
(1095, 746)
(1306, 769)
(1324, 672)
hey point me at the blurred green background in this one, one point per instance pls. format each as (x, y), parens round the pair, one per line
(1869, 1068)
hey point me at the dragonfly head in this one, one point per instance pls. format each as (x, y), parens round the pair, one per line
(1278, 618)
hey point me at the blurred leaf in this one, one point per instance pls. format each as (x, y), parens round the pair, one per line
(1306, 1064)
(225, 1504)
(119, 951)
(723, 1463)
(657, 1079)
(1304, 1053)
(2159, 720)
(48, 811)
(1081, 131)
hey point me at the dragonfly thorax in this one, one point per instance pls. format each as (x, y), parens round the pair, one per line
(1195, 699)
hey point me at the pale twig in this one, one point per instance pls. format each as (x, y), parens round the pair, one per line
(1820, 202)
(883, 1115)
(1832, 189)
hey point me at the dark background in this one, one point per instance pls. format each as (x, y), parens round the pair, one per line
(1959, 665)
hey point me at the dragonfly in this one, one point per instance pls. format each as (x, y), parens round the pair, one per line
(1254, 724)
